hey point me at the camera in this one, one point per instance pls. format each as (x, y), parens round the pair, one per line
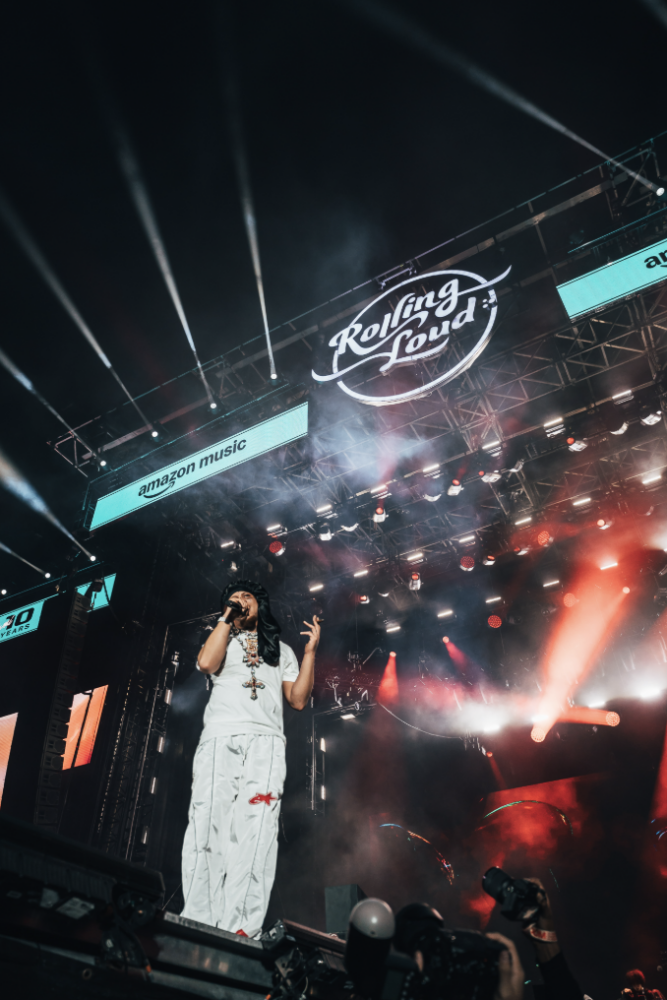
(443, 964)
(518, 898)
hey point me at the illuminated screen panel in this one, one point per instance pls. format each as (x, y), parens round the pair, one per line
(220, 457)
(614, 281)
(100, 598)
(83, 725)
(7, 727)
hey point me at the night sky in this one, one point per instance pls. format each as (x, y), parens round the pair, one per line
(362, 151)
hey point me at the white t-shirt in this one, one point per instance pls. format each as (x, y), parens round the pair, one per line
(231, 710)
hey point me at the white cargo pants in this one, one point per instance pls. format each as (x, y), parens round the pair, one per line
(231, 843)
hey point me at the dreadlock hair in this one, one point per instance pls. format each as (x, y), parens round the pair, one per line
(268, 629)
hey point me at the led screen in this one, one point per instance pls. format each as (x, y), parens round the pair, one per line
(7, 727)
(83, 725)
(220, 457)
(614, 281)
(100, 598)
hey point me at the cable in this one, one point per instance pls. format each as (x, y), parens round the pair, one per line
(440, 736)
(403, 28)
(36, 257)
(27, 384)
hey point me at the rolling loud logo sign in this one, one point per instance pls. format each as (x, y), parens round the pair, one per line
(441, 313)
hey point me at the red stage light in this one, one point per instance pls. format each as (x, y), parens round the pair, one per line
(538, 734)
(613, 718)
(626, 590)
(445, 639)
(569, 600)
(467, 563)
(456, 482)
(601, 522)
(481, 472)
(364, 599)
(570, 440)
(543, 538)
(276, 547)
(494, 621)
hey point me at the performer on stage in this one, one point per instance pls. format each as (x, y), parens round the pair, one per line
(231, 843)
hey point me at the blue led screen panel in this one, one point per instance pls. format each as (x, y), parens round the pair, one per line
(21, 620)
(614, 281)
(216, 458)
(100, 598)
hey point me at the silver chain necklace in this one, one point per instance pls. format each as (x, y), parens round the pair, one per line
(250, 645)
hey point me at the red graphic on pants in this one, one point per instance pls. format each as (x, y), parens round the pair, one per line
(266, 799)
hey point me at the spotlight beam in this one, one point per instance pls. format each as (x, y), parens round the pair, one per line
(402, 27)
(245, 192)
(138, 190)
(39, 261)
(23, 379)
(10, 552)
(16, 483)
(659, 9)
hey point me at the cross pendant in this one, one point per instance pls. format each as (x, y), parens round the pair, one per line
(254, 684)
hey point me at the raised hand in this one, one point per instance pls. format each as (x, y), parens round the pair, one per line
(313, 633)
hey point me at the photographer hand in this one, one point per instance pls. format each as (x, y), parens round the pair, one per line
(510, 971)
(546, 950)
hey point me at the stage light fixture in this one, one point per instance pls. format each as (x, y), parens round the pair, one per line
(323, 509)
(361, 572)
(103, 463)
(603, 523)
(226, 545)
(3, 592)
(570, 600)
(554, 427)
(492, 600)
(613, 416)
(551, 583)
(626, 590)
(445, 614)
(491, 477)
(575, 443)
(213, 406)
(650, 414)
(348, 715)
(347, 518)
(93, 558)
(467, 538)
(543, 538)
(522, 551)
(492, 448)
(623, 397)
(445, 639)
(364, 599)
(467, 564)
(393, 628)
(494, 621)
(324, 532)
(382, 488)
(380, 513)
(660, 191)
(455, 488)
(415, 581)
(273, 528)
(415, 556)
(489, 560)
(433, 489)
(654, 477)
(276, 547)
(431, 468)
(538, 734)
(612, 718)
(481, 473)
(523, 520)
(323, 744)
(314, 587)
(581, 501)
(154, 434)
(609, 565)
(47, 576)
